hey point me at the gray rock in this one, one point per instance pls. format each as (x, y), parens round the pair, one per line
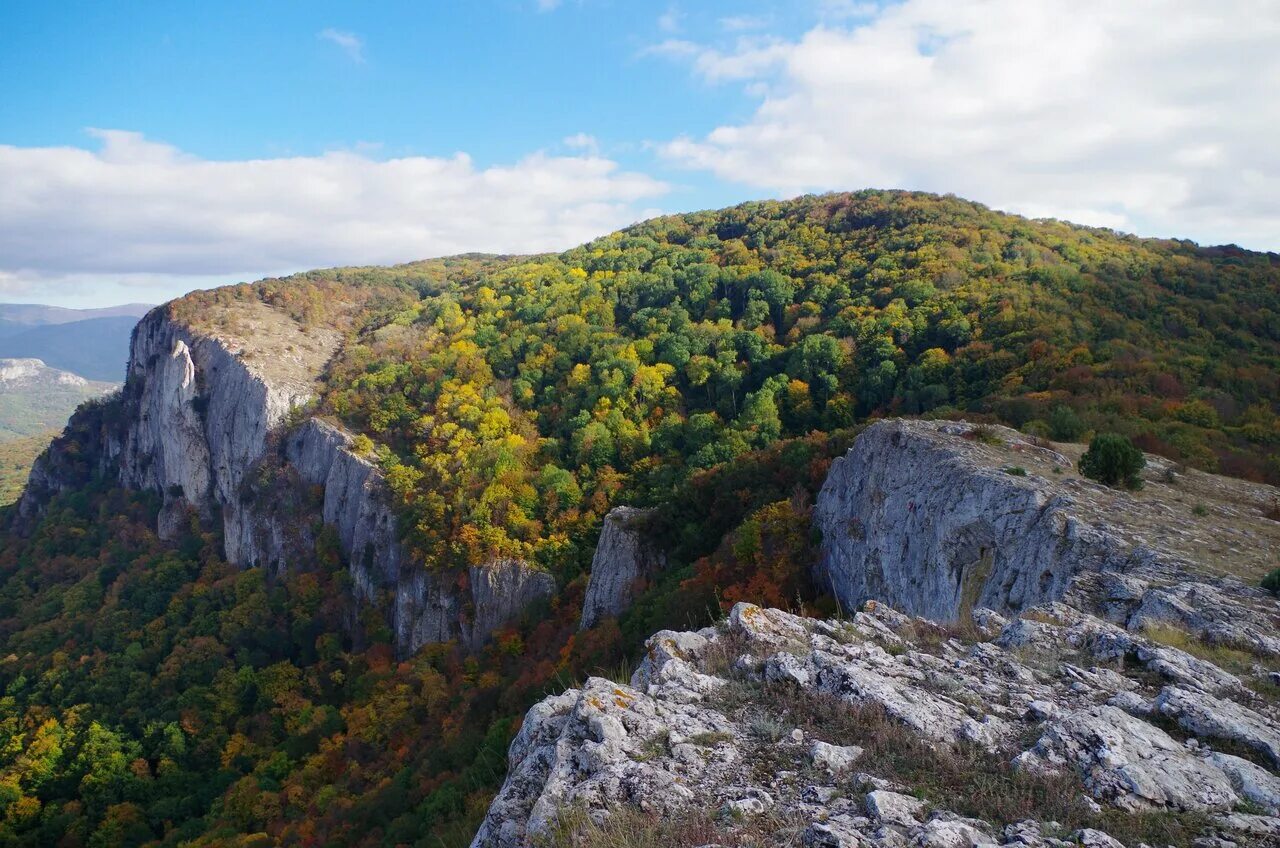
(1009, 542)
(894, 808)
(625, 556)
(838, 831)
(1216, 718)
(1129, 762)
(834, 758)
(1088, 837)
(947, 830)
(1253, 783)
(500, 590)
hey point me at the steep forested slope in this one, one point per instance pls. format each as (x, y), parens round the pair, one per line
(708, 364)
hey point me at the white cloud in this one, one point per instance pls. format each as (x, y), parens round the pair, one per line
(585, 142)
(351, 44)
(548, 5)
(136, 211)
(1154, 115)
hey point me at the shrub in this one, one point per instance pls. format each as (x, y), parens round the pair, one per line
(1065, 424)
(1272, 582)
(1113, 460)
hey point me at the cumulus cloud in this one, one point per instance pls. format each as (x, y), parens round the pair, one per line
(136, 211)
(1154, 115)
(349, 42)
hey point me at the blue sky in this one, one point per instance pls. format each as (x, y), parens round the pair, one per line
(155, 147)
(251, 80)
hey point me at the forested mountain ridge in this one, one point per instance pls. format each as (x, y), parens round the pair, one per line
(709, 365)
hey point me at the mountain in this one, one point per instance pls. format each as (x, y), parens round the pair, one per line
(35, 314)
(951, 724)
(91, 342)
(96, 348)
(35, 403)
(299, 580)
(35, 398)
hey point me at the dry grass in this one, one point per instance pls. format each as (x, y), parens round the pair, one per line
(1228, 657)
(272, 343)
(1236, 532)
(628, 827)
(965, 779)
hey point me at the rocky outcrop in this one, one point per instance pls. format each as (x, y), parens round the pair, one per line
(1129, 762)
(355, 502)
(709, 721)
(500, 591)
(199, 421)
(625, 556)
(202, 421)
(1038, 604)
(421, 606)
(910, 516)
(938, 517)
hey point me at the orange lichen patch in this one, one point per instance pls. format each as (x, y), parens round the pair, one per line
(622, 699)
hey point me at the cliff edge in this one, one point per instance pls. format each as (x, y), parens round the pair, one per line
(1070, 670)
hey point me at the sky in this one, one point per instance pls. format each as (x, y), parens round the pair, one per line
(147, 149)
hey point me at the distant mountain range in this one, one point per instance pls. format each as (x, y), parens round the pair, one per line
(93, 343)
(52, 359)
(35, 398)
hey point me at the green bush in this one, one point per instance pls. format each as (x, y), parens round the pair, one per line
(1113, 460)
(1272, 582)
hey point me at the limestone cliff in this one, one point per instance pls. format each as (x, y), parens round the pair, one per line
(199, 419)
(625, 555)
(936, 518)
(202, 421)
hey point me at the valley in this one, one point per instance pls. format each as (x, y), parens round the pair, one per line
(317, 573)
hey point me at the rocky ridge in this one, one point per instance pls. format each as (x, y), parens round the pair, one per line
(709, 722)
(937, 517)
(625, 555)
(1129, 698)
(206, 420)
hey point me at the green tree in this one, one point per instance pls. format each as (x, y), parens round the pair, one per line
(1114, 461)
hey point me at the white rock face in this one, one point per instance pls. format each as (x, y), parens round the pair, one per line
(625, 555)
(500, 591)
(355, 502)
(200, 420)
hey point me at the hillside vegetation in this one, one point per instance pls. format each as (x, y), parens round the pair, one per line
(710, 364)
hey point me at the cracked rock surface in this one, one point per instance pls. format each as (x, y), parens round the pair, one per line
(1060, 693)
